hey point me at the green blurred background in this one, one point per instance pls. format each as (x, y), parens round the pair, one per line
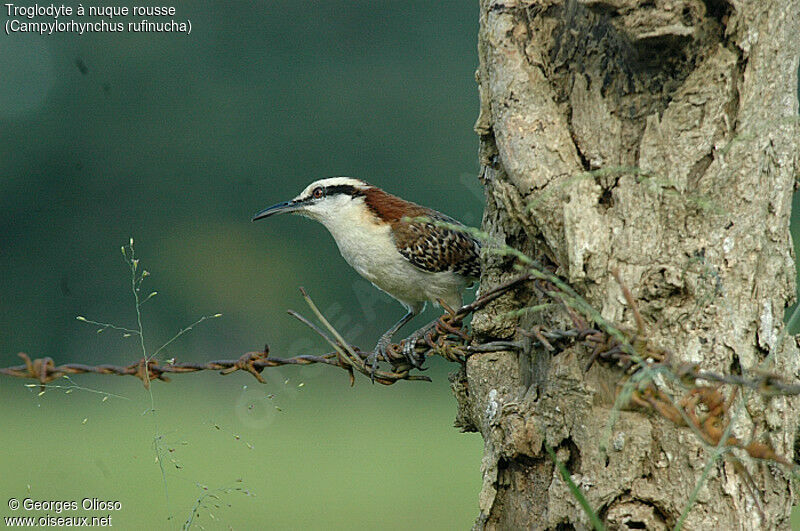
(176, 140)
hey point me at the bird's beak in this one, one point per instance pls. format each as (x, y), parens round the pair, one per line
(280, 208)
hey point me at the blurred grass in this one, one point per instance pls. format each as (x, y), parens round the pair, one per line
(332, 458)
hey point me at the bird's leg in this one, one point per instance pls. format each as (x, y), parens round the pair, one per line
(411, 342)
(384, 341)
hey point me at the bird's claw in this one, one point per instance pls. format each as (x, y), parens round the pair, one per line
(372, 359)
(409, 348)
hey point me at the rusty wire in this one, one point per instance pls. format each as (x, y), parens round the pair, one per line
(446, 338)
(703, 407)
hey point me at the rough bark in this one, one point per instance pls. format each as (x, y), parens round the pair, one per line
(700, 97)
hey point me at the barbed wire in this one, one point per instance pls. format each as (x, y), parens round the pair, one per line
(703, 407)
(446, 338)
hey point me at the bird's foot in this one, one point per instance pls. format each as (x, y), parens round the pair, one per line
(410, 344)
(379, 350)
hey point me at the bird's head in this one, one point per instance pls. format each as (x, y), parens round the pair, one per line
(320, 199)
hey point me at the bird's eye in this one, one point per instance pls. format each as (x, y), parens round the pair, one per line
(317, 193)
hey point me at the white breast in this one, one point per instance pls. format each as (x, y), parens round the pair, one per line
(368, 246)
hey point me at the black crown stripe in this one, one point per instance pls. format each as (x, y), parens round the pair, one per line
(347, 189)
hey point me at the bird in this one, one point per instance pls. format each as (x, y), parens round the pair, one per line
(411, 252)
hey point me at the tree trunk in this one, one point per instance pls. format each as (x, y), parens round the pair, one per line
(697, 100)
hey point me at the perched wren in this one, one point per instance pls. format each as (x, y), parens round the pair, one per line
(413, 261)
